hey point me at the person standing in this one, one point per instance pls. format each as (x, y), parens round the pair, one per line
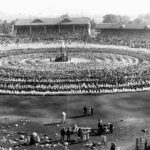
(87, 136)
(63, 117)
(111, 127)
(100, 126)
(80, 134)
(104, 139)
(62, 133)
(68, 133)
(91, 111)
(85, 110)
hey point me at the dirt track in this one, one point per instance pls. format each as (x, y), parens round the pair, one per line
(110, 107)
(129, 112)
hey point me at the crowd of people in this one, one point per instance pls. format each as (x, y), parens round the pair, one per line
(127, 37)
(53, 34)
(70, 134)
(83, 134)
(76, 78)
(71, 78)
(91, 77)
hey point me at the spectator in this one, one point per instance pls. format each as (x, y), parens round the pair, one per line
(80, 134)
(63, 133)
(91, 111)
(100, 126)
(34, 138)
(85, 110)
(111, 127)
(68, 133)
(104, 139)
(113, 146)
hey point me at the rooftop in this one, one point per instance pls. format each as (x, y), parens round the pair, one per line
(52, 21)
(121, 26)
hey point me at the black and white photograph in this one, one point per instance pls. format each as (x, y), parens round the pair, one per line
(74, 75)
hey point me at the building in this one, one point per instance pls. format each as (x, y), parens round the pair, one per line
(51, 26)
(131, 34)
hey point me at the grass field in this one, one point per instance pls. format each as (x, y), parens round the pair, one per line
(129, 112)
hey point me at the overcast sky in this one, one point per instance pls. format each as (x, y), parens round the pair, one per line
(89, 7)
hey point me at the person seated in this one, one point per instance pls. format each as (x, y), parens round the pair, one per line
(75, 128)
(34, 138)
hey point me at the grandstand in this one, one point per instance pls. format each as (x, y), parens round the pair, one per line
(133, 35)
(63, 27)
(79, 30)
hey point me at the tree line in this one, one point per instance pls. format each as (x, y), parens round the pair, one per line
(123, 19)
(5, 27)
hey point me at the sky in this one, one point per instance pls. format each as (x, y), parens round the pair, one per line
(45, 8)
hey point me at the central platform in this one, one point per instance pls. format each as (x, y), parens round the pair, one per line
(62, 58)
(63, 55)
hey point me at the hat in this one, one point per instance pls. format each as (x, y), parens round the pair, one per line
(34, 134)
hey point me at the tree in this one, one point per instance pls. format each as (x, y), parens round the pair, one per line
(6, 27)
(123, 19)
(142, 19)
(138, 20)
(111, 18)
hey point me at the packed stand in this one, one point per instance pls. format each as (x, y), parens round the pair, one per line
(127, 37)
(53, 34)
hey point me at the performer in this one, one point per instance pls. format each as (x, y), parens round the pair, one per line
(63, 44)
(62, 47)
(63, 117)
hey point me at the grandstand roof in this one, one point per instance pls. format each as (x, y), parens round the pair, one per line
(121, 26)
(51, 21)
(107, 26)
